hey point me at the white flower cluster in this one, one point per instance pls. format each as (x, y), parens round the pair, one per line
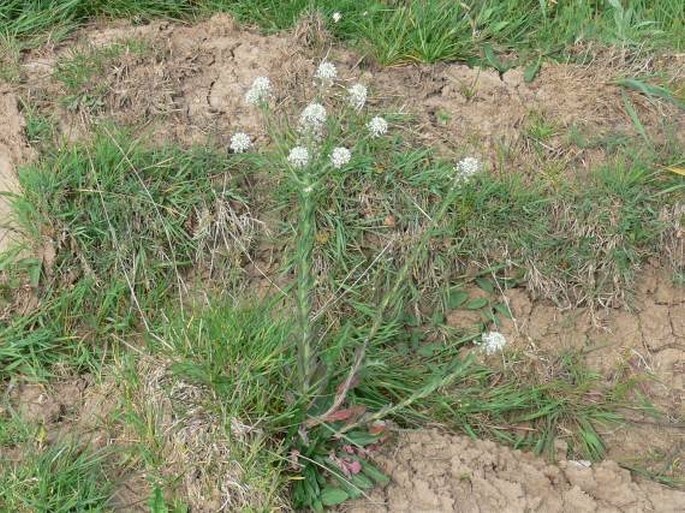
(377, 126)
(357, 96)
(299, 157)
(260, 91)
(466, 168)
(326, 72)
(492, 342)
(313, 118)
(340, 156)
(240, 142)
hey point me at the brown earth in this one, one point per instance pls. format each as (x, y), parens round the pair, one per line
(13, 151)
(189, 88)
(433, 472)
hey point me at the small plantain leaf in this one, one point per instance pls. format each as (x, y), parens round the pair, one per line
(332, 496)
(477, 303)
(503, 309)
(485, 285)
(456, 298)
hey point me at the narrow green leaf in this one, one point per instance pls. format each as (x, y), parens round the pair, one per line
(532, 70)
(375, 473)
(650, 90)
(635, 118)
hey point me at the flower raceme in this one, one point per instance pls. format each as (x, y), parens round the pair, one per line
(377, 126)
(240, 142)
(260, 91)
(466, 168)
(340, 157)
(357, 96)
(312, 121)
(326, 72)
(492, 342)
(299, 157)
(313, 118)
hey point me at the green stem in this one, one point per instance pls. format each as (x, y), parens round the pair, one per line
(305, 286)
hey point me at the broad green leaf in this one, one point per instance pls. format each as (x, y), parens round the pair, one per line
(438, 318)
(361, 481)
(428, 350)
(503, 309)
(361, 438)
(485, 284)
(456, 298)
(332, 496)
(492, 59)
(157, 502)
(476, 304)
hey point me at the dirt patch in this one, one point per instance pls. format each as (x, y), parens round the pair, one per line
(66, 408)
(432, 471)
(13, 151)
(490, 112)
(190, 84)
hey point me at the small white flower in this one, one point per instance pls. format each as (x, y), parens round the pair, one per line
(259, 92)
(240, 142)
(340, 157)
(299, 157)
(326, 72)
(377, 126)
(466, 168)
(308, 189)
(357, 96)
(336, 17)
(313, 118)
(492, 342)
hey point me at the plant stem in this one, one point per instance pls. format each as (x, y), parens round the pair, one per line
(305, 285)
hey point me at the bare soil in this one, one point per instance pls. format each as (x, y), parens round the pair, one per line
(188, 88)
(189, 85)
(436, 472)
(13, 151)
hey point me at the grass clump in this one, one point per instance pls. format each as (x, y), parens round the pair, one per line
(79, 70)
(60, 478)
(425, 30)
(118, 225)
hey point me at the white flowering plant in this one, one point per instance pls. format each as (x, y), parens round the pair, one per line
(330, 144)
